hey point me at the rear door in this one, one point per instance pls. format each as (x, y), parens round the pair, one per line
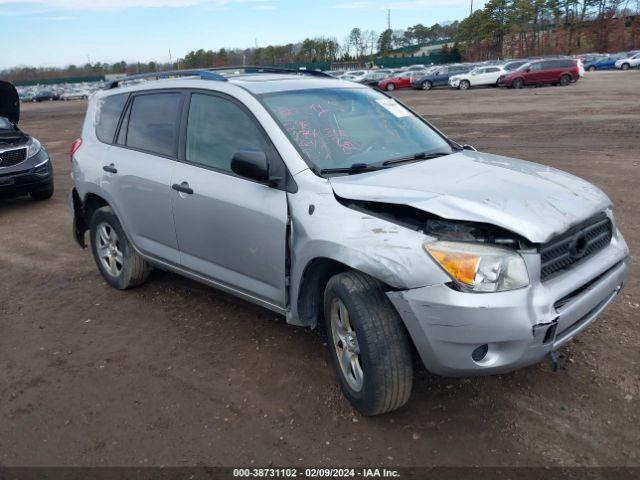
(230, 229)
(551, 71)
(491, 75)
(137, 171)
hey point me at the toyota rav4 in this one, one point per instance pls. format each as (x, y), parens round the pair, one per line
(334, 204)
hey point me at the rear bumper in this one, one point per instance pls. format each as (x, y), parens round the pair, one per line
(519, 327)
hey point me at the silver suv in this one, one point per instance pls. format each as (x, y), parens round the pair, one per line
(336, 205)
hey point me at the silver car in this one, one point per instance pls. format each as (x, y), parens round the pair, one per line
(334, 204)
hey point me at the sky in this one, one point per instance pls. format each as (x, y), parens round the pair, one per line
(62, 32)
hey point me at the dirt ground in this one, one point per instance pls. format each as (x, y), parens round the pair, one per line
(176, 373)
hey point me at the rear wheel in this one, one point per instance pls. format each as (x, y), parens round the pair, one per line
(565, 80)
(120, 265)
(518, 83)
(368, 342)
(626, 66)
(391, 87)
(464, 85)
(592, 69)
(426, 85)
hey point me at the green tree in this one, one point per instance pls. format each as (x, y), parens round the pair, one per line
(385, 42)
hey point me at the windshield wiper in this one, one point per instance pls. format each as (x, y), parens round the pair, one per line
(414, 157)
(355, 168)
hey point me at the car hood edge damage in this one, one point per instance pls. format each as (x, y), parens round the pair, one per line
(532, 200)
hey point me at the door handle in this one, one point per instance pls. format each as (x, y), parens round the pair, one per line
(110, 168)
(182, 188)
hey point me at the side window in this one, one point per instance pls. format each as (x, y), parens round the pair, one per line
(536, 67)
(218, 128)
(492, 70)
(108, 115)
(153, 123)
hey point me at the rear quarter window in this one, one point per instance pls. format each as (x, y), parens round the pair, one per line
(108, 115)
(153, 123)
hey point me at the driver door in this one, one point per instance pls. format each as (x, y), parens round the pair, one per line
(229, 229)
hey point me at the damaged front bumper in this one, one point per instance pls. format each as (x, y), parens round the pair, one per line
(509, 330)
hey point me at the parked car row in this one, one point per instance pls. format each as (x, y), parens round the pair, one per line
(620, 61)
(552, 70)
(64, 91)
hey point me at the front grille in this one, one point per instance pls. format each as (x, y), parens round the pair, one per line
(13, 157)
(576, 245)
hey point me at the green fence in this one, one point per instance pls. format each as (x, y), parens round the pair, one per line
(387, 62)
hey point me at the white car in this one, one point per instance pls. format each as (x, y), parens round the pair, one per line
(477, 77)
(628, 62)
(75, 95)
(355, 75)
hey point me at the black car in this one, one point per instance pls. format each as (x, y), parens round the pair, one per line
(46, 96)
(25, 166)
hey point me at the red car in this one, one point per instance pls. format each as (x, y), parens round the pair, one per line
(561, 71)
(402, 80)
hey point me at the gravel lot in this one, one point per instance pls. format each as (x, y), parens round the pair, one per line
(176, 373)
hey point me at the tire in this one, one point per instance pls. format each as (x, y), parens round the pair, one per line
(565, 80)
(426, 85)
(377, 344)
(625, 66)
(390, 87)
(44, 194)
(464, 85)
(122, 267)
(592, 69)
(518, 83)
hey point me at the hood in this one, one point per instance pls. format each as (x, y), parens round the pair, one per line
(532, 200)
(9, 102)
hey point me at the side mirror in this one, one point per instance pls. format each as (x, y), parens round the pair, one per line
(251, 164)
(469, 147)
(528, 70)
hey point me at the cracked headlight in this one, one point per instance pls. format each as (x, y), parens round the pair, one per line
(33, 147)
(478, 267)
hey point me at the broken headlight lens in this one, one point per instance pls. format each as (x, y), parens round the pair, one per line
(478, 267)
(33, 147)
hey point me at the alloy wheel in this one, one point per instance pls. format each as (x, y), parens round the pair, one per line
(346, 345)
(109, 249)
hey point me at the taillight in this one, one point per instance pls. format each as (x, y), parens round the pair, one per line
(74, 148)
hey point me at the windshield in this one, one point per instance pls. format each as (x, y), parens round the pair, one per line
(338, 128)
(524, 66)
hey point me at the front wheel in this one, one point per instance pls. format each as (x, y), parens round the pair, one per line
(464, 85)
(626, 66)
(368, 342)
(391, 87)
(518, 83)
(592, 69)
(120, 265)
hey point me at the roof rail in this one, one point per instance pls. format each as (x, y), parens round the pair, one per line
(211, 73)
(204, 74)
(268, 69)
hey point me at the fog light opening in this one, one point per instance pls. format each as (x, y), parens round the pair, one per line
(479, 353)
